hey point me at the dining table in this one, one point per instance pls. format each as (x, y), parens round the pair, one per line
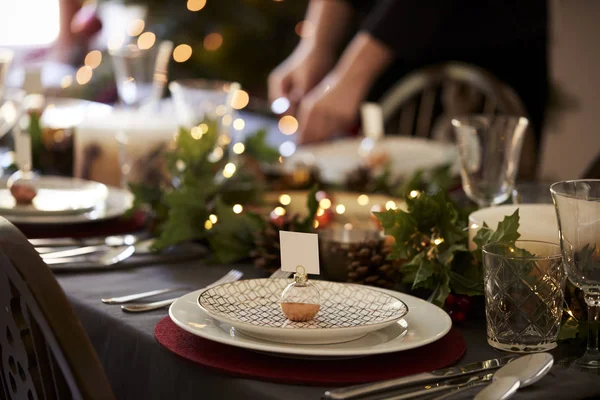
(138, 367)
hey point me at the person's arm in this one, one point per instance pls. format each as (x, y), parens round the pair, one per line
(315, 54)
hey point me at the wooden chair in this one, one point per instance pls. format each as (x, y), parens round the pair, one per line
(44, 351)
(424, 102)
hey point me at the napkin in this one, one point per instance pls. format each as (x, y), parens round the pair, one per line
(560, 383)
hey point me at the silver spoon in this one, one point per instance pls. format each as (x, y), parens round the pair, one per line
(522, 372)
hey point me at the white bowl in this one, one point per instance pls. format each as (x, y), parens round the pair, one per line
(536, 221)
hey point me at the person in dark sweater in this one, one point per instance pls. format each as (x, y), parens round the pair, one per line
(359, 48)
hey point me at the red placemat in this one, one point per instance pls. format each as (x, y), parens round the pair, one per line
(115, 226)
(249, 364)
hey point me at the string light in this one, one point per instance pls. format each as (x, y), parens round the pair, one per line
(287, 148)
(136, 27)
(196, 5)
(182, 53)
(413, 194)
(238, 208)
(146, 40)
(229, 170)
(239, 148)
(196, 133)
(238, 124)
(240, 99)
(84, 75)
(213, 41)
(279, 211)
(340, 209)
(224, 140)
(221, 110)
(213, 218)
(93, 59)
(226, 120)
(66, 81)
(362, 200)
(390, 205)
(208, 225)
(285, 199)
(320, 212)
(438, 241)
(180, 165)
(288, 125)
(280, 105)
(315, 224)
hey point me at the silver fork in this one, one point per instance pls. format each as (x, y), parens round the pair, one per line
(231, 276)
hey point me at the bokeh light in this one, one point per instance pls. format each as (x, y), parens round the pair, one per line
(213, 218)
(182, 53)
(196, 5)
(239, 147)
(280, 105)
(340, 209)
(240, 99)
(66, 81)
(208, 225)
(221, 110)
(229, 170)
(93, 59)
(363, 200)
(136, 27)
(239, 124)
(288, 125)
(325, 204)
(279, 211)
(288, 148)
(84, 75)
(390, 205)
(238, 208)
(213, 41)
(146, 40)
(285, 199)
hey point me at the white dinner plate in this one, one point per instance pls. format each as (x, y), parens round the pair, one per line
(426, 324)
(348, 311)
(57, 195)
(118, 202)
(337, 158)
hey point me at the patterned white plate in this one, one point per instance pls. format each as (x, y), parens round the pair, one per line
(426, 324)
(347, 312)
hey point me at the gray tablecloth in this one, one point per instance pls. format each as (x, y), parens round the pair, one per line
(139, 368)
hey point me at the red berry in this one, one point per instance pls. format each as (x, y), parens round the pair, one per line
(457, 316)
(463, 303)
(450, 300)
(278, 220)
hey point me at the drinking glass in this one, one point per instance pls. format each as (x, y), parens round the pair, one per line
(524, 290)
(489, 148)
(134, 72)
(577, 206)
(196, 99)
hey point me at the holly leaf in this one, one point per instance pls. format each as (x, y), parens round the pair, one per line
(446, 257)
(400, 225)
(257, 148)
(507, 231)
(306, 225)
(438, 297)
(424, 275)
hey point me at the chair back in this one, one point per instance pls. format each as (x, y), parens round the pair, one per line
(44, 350)
(424, 102)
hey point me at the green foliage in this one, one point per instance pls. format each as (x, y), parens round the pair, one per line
(432, 237)
(507, 231)
(256, 147)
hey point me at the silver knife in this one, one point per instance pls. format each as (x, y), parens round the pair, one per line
(115, 240)
(109, 258)
(352, 392)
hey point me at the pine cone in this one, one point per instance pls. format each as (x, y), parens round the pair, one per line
(368, 264)
(266, 255)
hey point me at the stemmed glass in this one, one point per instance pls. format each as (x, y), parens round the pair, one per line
(489, 148)
(577, 206)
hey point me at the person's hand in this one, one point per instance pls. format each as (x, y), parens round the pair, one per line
(298, 74)
(330, 108)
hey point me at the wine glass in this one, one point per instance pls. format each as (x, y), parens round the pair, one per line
(489, 148)
(577, 206)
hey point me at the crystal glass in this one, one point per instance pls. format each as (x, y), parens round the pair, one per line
(577, 206)
(489, 148)
(134, 72)
(524, 289)
(197, 99)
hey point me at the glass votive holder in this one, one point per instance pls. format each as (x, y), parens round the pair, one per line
(524, 287)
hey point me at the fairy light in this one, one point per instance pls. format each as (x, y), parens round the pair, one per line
(325, 203)
(84, 75)
(229, 170)
(239, 148)
(146, 40)
(239, 124)
(224, 140)
(320, 212)
(226, 120)
(315, 224)
(474, 226)
(362, 200)
(279, 211)
(285, 199)
(340, 209)
(180, 165)
(348, 226)
(238, 208)
(288, 125)
(195, 5)
(286, 149)
(240, 99)
(93, 59)
(213, 218)
(213, 41)
(390, 205)
(216, 155)
(280, 105)
(66, 81)
(280, 159)
(221, 110)
(196, 133)
(438, 241)
(136, 27)
(413, 194)
(182, 53)
(208, 225)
